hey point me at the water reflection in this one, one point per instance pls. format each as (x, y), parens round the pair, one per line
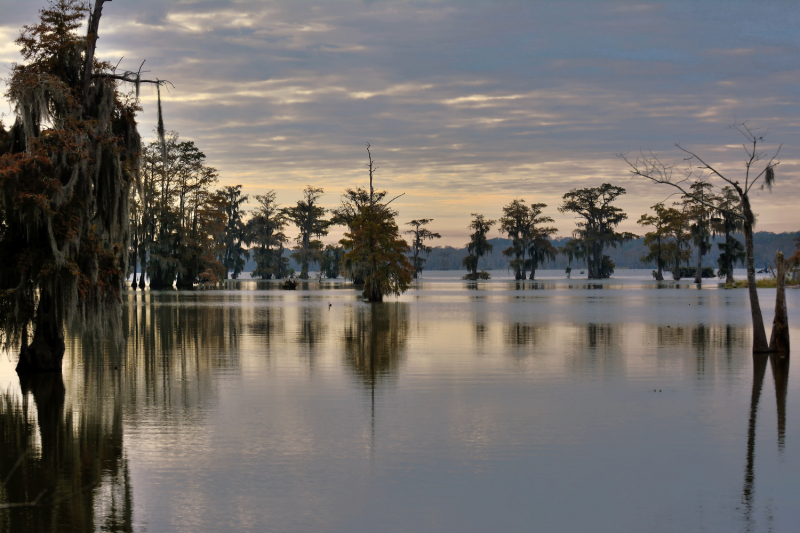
(173, 352)
(218, 439)
(269, 324)
(524, 334)
(374, 341)
(780, 372)
(312, 326)
(74, 465)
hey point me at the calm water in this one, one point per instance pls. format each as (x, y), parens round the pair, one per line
(558, 405)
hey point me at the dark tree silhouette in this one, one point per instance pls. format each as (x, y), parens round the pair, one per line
(478, 245)
(66, 169)
(420, 234)
(307, 215)
(375, 248)
(597, 229)
(759, 172)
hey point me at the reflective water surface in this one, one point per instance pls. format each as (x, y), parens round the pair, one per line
(555, 405)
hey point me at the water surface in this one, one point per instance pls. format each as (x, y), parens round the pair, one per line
(555, 405)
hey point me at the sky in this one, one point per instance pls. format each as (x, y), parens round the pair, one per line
(467, 104)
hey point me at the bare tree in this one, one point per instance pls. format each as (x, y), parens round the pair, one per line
(759, 171)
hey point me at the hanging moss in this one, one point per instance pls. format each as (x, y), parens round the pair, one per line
(66, 170)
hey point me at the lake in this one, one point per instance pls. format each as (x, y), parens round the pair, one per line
(552, 405)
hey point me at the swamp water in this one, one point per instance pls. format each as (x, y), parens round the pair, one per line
(558, 405)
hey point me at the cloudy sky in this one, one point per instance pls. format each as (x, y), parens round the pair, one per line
(467, 104)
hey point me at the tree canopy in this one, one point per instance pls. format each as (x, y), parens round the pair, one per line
(596, 228)
(66, 169)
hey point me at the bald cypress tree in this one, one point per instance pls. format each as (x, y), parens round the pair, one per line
(66, 169)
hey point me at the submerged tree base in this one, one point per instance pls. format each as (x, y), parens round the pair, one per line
(41, 356)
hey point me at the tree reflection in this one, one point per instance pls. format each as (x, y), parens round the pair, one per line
(748, 492)
(312, 326)
(524, 334)
(779, 362)
(602, 335)
(75, 460)
(780, 372)
(374, 341)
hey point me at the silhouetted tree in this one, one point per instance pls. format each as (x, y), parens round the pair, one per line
(375, 248)
(696, 168)
(540, 249)
(307, 215)
(331, 261)
(596, 230)
(236, 235)
(698, 209)
(478, 246)
(725, 223)
(420, 234)
(66, 169)
(515, 223)
(656, 240)
(265, 229)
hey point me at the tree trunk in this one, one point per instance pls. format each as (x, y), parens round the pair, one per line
(659, 262)
(143, 265)
(676, 270)
(779, 341)
(728, 258)
(186, 281)
(44, 354)
(134, 284)
(698, 274)
(759, 333)
(533, 273)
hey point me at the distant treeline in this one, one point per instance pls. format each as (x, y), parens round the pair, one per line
(628, 255)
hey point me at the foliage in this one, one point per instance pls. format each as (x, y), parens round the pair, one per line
(759, 171)
(420, 234)
(699, 208)
(235, 235)
(183, 219)
(331, 261)
(66, 168)
(375, 243)
(265, 230)
(478, 245)
(656, 240)
(307, 215)
(374, 247)
(669, 241)
(727, 222)
(596, 230)
(474, 276)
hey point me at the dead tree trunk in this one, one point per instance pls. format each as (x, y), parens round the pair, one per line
(779, 342)
(759, 332)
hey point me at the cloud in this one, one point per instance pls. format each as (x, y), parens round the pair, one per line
(467, 104)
